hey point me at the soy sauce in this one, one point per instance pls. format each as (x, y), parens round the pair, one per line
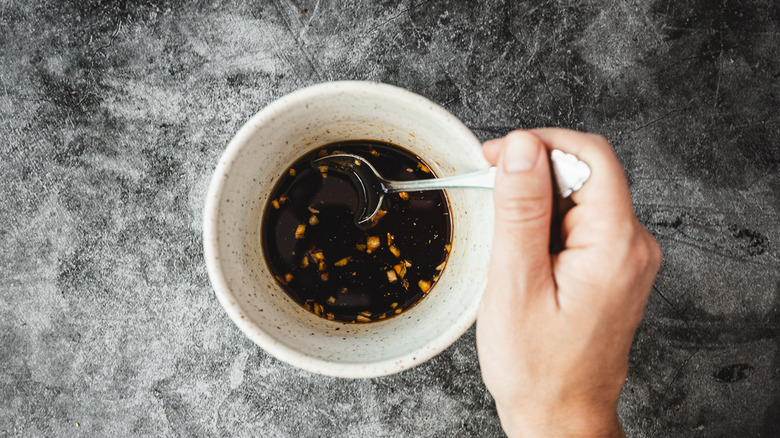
(341, 271)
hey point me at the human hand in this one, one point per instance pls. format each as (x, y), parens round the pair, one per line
(554, 331)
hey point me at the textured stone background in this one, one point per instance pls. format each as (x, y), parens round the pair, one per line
(113, 115)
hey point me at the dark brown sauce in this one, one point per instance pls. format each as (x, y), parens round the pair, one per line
(327, 263)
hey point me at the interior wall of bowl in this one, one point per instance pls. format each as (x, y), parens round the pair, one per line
(266, 154)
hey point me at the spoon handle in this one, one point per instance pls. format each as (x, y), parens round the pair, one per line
(481, 179)
(569, 173)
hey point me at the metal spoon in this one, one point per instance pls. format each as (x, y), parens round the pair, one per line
(569, 175)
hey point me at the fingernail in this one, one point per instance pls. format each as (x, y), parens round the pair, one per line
(520, 155)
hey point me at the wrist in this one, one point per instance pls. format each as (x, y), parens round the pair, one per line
(560, 422)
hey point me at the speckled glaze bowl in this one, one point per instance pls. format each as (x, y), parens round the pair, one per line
(252, 163)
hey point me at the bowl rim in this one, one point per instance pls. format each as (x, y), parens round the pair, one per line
(218, 279)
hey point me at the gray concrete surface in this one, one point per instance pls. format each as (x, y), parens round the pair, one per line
(113, 114)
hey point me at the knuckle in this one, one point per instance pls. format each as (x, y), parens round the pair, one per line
(656, 255)
(600, 145)
(520, 135)
(646, 253)
(600, 141)
(524, 209)
(622, 230)
(641, 254)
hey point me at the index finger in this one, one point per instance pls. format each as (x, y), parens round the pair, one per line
(607, 188)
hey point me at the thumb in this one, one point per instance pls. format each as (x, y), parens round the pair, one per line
(523, 210)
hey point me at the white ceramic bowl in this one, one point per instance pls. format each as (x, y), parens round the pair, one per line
(253, 162)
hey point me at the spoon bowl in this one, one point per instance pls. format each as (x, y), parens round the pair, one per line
(370, 185)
